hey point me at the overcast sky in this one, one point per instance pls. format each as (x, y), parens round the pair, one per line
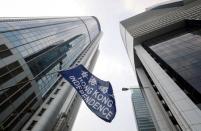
(112, 65)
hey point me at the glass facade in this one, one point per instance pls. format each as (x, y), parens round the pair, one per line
(142, 114)
(32, 48)
(180, 56)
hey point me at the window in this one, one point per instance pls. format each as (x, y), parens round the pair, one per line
(11, 90)
(10, 122)
(41, 112)
(5, 78)
(13, 65)
(10, 71)
(33, 123)
(3, 70)
(62, 83)
(50, 100)
(12, 94)
(4, 51)
(56, 92)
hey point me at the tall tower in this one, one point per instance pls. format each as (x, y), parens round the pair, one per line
(33, 95)
(164, 45)
(142, 113)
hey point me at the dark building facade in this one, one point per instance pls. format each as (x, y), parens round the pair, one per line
(164, 45)
(32, 50)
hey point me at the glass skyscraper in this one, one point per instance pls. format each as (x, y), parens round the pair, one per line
(32, 50)
(142, 111)
(164, 46)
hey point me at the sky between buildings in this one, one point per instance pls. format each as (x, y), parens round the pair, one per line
(112, 65)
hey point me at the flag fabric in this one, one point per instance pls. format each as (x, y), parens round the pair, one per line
(96, 93)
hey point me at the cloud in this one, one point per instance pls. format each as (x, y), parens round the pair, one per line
(140, 5)
(128, 4)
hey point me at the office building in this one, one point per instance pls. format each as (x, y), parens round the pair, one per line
(164, 47)
(33, 96)
(142, 113)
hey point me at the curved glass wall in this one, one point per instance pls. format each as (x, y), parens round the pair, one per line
(46, 43)
(92, 27)
(32, 48)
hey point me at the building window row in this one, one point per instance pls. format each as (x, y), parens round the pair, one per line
(24, 108)
(13, 93)
(10, 71)
(13, 89)
(4, 51)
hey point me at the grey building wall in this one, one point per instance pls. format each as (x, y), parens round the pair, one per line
(168, 101)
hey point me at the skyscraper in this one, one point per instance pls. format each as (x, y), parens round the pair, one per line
(33, 95)
(164, 45)
(142, 112)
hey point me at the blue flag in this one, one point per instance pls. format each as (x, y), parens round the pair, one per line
(96, 93)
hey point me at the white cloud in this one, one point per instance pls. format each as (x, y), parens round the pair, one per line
(140, 5)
